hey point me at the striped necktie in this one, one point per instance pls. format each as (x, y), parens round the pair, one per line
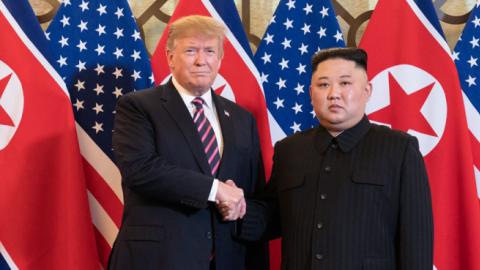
(207, 135)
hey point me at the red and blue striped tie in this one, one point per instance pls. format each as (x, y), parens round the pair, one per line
(207, 135)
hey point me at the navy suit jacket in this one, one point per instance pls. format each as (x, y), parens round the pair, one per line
(168, 222)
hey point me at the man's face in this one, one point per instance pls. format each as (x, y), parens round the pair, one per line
(339, 93)
(194, 62)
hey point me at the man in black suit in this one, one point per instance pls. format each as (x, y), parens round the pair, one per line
(347, 194)
(176, 145)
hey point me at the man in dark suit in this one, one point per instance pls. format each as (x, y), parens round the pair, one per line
(176, 145)
(347, 194)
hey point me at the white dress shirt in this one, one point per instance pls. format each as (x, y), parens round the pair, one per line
(212, 116)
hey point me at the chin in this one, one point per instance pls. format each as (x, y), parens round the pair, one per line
(334, 120)
(203, 83)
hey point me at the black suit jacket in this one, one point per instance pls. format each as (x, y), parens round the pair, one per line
(357, 202)
(168, 222)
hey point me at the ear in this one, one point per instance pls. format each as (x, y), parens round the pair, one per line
(310, 93)
(169, 55)
(368, 89)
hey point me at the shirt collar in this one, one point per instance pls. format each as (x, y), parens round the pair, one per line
(188, 97)
(346, 140)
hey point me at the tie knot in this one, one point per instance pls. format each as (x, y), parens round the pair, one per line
(198, 102)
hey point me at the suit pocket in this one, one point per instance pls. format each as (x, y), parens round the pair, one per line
(365, 179)
(368, 187)
(373, 171)
(367, 173)
(144, 233)
(377, 264)
(142, 247)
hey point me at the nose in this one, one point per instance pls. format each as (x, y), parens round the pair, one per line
(200, 58)
(333, 93)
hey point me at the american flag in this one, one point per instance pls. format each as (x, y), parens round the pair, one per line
(466, 55)
(101, 56)
(297, 30)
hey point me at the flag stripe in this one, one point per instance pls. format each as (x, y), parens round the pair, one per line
(276, 131)
(233, 40)
(29, 24)
(103, 248)
(100, 162)
(103, 194)
(431, 29)
(473, 118)
(233, 22)
(102, 220)
(476, 154)
(473, 121)
(477, 180)
(33, 49)
(7, 257)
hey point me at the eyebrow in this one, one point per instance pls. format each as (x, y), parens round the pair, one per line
(326, 78)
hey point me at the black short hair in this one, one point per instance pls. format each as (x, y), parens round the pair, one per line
(357, 55)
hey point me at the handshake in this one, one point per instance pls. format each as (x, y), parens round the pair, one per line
(230, 201)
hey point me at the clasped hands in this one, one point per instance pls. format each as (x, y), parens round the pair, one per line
(230, 201)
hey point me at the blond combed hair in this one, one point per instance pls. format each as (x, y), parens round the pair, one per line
(196, 25)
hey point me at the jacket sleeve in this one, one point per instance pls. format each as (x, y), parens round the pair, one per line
(415, 226)
(257, 252)
(144, 171)
(262, 220)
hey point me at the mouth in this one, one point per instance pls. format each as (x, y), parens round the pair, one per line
(335, 107)
(200, 73)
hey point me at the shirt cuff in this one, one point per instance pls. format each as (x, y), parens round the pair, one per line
(213, 191)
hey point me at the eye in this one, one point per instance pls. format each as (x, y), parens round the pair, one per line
(322, 85)
(345, 83)
(211, 51)
(190, 51)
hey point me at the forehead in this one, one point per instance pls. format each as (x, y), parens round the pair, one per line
(210, 41)
(337, 67)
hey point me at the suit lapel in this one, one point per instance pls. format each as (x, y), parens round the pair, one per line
(179, 112)
(228, 160)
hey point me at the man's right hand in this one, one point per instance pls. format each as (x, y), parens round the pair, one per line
(230, 201)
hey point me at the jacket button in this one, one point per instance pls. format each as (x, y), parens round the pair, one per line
(209, 235)
(319, 256)
(327, 169)
(323, 196)
(319, 225)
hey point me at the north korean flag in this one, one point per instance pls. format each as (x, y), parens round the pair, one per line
(44, 217)
(416, 89)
